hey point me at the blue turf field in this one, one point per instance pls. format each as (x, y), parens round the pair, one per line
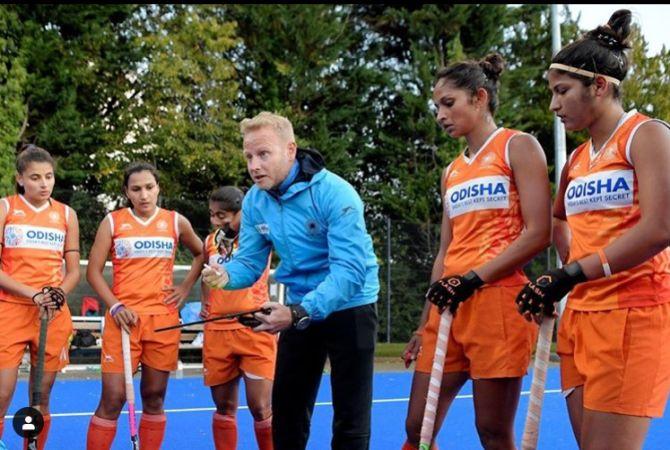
(190, 410)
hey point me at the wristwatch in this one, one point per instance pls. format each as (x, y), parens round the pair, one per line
(301, 319)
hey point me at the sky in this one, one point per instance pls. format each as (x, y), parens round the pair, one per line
(653, 20)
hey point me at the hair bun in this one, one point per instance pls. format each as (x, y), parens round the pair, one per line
(615, 34)
(492, 65)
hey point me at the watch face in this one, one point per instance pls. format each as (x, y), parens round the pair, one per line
(302, 323)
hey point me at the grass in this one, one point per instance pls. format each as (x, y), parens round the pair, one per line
(392, 350)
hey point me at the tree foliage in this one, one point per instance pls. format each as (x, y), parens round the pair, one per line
(102, 85)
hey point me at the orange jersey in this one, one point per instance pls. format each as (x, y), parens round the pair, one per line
(143, 255)
(601, 203)
(482, 204)
(223, 302)
(33, 244)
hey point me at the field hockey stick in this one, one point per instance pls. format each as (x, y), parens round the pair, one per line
(428, 424)
(130, 389)
(224, 317)
(39, 374)
(531, 431)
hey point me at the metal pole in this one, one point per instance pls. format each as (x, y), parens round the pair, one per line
(388, 280)
(559, 130)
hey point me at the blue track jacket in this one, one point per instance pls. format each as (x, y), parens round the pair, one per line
(317, 228)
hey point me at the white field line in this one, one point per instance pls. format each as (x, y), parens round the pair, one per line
(186, 410)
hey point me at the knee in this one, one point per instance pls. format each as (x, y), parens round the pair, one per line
(493, 436)
(5, 400)
(260, 411)
(227, 407)
(152, 400)
(111, 405)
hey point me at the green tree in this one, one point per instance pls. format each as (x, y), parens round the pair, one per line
(12, 85)
(183, 94)
(647, 86)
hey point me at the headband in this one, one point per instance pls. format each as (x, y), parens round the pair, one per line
(583, 72)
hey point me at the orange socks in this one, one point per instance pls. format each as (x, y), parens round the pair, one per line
(101, 434)
(152, 431)
(263, 430)
(224, 429)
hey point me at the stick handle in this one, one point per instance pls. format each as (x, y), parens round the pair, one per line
(39, 374)
(531, 431)
(41, 351)
(130, 388)
(212, 319)
(428, 424)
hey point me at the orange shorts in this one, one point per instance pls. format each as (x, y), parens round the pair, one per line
(621, 357)
(20, 325)
(226, 354)
(488, 337)
(157, 350)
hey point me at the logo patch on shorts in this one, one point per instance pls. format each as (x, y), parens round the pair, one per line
(108, 358)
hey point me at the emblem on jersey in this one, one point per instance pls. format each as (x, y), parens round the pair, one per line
(478, 194)
(122, 248)
(19, 212)
(263, 228)
(125, 227)
(13, 237)
(54, 217)
(602, 190)
(452, 173)
(162, 225)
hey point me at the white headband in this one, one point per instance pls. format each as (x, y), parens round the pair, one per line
(586, 73)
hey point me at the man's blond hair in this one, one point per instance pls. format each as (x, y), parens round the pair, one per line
(280, 124)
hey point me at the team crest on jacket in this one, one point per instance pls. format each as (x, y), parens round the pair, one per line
(263, 228)
(312, 227)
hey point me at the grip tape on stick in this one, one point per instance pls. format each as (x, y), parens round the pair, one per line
(130, 388)
(435, 384)
(531, 429)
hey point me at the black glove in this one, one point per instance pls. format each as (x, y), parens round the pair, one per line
(56, 296)
(451, 291)
(248, 319)
(539, 296)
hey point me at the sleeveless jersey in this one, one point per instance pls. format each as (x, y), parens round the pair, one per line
(33, 244)
(601, 203)
(482, 204)
(143, 255)
(223, 302)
